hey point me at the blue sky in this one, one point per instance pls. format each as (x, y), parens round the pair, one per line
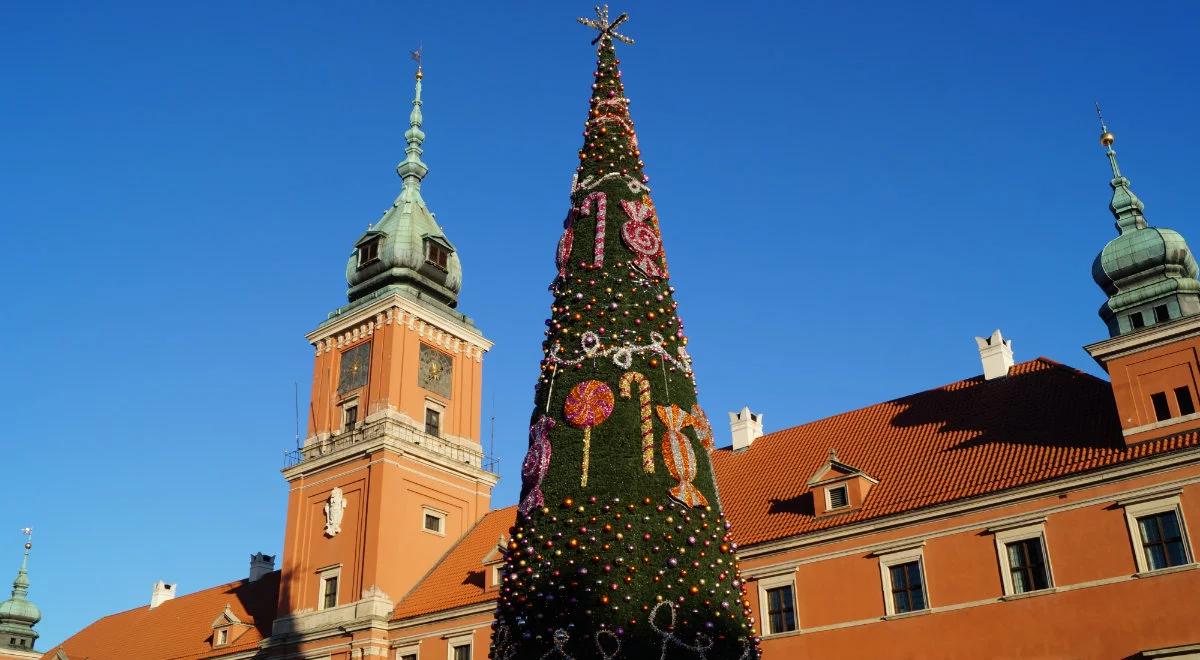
(850, 192)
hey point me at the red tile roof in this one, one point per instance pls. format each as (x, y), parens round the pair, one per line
(458, 579)
(180, 627)
(965, 439)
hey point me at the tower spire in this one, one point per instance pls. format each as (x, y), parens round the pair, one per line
(412, 169)
(1125, 206)
(17, 614)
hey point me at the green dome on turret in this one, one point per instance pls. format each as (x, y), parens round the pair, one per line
(18, 614)
(1148, 273)
(406, 250)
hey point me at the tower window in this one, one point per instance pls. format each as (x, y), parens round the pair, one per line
(1136, 321)
(433, 422)
(329, 595)
(436, 254)
(368, 252)
(349, 417)
(1162, 411)
(1161, 313)
(1183, 396)
(433, 520)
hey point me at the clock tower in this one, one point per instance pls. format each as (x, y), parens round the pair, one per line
(391, 472)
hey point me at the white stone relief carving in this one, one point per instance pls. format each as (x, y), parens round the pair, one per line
(335, 508)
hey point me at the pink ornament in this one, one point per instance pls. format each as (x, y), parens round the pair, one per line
(641, 237)
(537, 463)
(588, 404)
(565, 243)
(601, 212)
(679, 456)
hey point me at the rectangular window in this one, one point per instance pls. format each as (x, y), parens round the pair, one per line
(433, 520)
(1136, 321)
(908, 591)
(368, 252)
(222, 636)
(1183, 396)
(349, 417)
(1162, 411)
(1027, 565)
(1162, 540)
(781, 613)
(330, 593)
(433, 523)
(460, 652)
(838, 497)
(436, 254)
(1161, 313)
(433, 422)
(408, 656)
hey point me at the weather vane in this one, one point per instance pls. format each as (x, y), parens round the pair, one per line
(606, 29)
(416, 55)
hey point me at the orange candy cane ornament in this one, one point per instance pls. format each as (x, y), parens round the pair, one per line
(627, 382)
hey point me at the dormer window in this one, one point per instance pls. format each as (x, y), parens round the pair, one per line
(838, 497)
(368, 251)
(437, 254)
(221, 637)
(838, 488)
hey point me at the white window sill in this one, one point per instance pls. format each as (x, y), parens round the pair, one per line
(905, 615)
(1166, 571)
(790, 633)
(1030, 594)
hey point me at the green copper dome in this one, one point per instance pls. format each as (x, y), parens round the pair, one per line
(1148, 273)
(406, 250)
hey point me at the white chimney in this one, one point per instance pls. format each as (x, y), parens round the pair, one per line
(260, 565)
(161, 594)
(996, 354)
(746, 427)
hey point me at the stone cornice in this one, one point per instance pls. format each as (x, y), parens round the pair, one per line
(452, 335)
(1149, 337)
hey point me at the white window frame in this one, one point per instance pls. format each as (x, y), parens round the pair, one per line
(1011, 534)
(409, 649)
(223, 631)
(437, 513)
(440, 409)
(774, 582)
(325, 574)
(887, 560)
(829, 497)
(1145, 506)
(496, 576)
(459, 641)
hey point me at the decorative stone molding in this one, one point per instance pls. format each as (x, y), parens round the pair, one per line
(375, 606)
(426, 328)
(335, 509)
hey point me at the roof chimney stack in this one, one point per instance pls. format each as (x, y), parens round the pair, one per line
(746, 427)
(162, 593)
(260, 565)
(996, 354)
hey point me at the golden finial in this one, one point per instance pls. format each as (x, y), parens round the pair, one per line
(416, 55)
(1106, 136)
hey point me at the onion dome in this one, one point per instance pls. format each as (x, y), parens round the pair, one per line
(18, 614)
(1148, 273)
(406, 250)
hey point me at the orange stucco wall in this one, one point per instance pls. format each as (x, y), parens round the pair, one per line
(1159, 369)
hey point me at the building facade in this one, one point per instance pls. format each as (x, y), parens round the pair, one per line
(1033, 511)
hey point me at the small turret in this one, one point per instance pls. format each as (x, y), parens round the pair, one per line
(1148, 272)
(18, 615)
(406, 250)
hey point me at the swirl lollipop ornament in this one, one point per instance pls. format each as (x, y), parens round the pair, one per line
(588, 405)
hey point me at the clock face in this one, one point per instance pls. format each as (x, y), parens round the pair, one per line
(435, 371)
(356, 364)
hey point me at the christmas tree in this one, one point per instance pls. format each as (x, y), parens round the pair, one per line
(620, 549)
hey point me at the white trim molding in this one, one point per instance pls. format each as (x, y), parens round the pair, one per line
(427, 511)
(895, 558)
(765, 584)
(409, 649)
(323, 575)
(1147, 506)
(1011, 534)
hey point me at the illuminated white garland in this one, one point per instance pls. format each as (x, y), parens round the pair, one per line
(622, 356)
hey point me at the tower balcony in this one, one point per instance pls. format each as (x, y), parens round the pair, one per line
(398, 433)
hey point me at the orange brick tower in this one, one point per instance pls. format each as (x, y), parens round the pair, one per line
(391, 473)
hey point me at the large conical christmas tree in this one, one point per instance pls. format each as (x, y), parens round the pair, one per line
(620, 550)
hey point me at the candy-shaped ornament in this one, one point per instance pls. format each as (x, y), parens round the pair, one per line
(679, 456)
(537, 463)
(698, 420)
(588, 404)
(565, 243)
(642, 238)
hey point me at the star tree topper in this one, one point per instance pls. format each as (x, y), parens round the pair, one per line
(606, 29)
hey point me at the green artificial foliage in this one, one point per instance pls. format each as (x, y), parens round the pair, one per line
(619, 568)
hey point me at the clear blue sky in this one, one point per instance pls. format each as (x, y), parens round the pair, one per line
(850, 193)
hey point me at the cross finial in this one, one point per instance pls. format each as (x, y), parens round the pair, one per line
(607, 30)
